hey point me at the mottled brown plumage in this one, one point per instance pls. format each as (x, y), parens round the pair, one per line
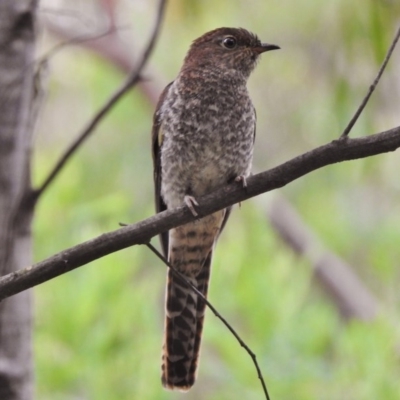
(203, 135)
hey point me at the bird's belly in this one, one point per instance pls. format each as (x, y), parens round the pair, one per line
(201, 169)
(206, 178)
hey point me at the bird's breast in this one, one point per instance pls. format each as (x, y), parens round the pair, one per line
(207, 141)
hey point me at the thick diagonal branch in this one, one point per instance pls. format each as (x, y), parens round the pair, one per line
(143, 231)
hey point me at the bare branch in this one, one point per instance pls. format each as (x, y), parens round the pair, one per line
(133, 78)
(216, 313)
(143, 231)
(360, 109)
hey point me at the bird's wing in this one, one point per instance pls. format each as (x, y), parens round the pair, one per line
(156, 144)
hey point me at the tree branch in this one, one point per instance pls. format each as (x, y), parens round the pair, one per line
(133, 78)
(143, 231)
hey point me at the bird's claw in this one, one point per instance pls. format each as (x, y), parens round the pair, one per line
(190, 201)
(241, 178)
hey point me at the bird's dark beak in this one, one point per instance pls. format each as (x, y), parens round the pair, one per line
(265, 47)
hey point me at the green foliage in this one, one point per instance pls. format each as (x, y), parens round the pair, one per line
(98, 330)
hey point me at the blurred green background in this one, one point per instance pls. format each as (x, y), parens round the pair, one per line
(98, 330)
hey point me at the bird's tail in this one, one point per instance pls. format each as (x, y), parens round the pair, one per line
(183, 328)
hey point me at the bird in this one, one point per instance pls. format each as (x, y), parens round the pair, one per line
(202, 138)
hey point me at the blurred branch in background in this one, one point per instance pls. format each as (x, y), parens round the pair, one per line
(345, 288)
(342, 284)
(19, 102)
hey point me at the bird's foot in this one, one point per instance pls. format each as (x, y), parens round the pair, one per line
(190, 201)
(243, 179)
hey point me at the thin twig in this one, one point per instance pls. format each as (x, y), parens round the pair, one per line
(216, 313)
(133, 78)
(360, 109)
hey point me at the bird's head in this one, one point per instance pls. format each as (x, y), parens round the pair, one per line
(228, 49)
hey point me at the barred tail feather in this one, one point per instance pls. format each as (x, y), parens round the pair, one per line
(183, 329)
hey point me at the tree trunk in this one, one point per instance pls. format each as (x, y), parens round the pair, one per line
(17, 35)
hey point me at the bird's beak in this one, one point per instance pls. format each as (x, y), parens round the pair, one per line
(265, 47)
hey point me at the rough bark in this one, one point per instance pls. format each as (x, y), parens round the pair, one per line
(16, 97)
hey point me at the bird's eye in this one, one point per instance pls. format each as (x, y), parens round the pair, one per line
(229, 42)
